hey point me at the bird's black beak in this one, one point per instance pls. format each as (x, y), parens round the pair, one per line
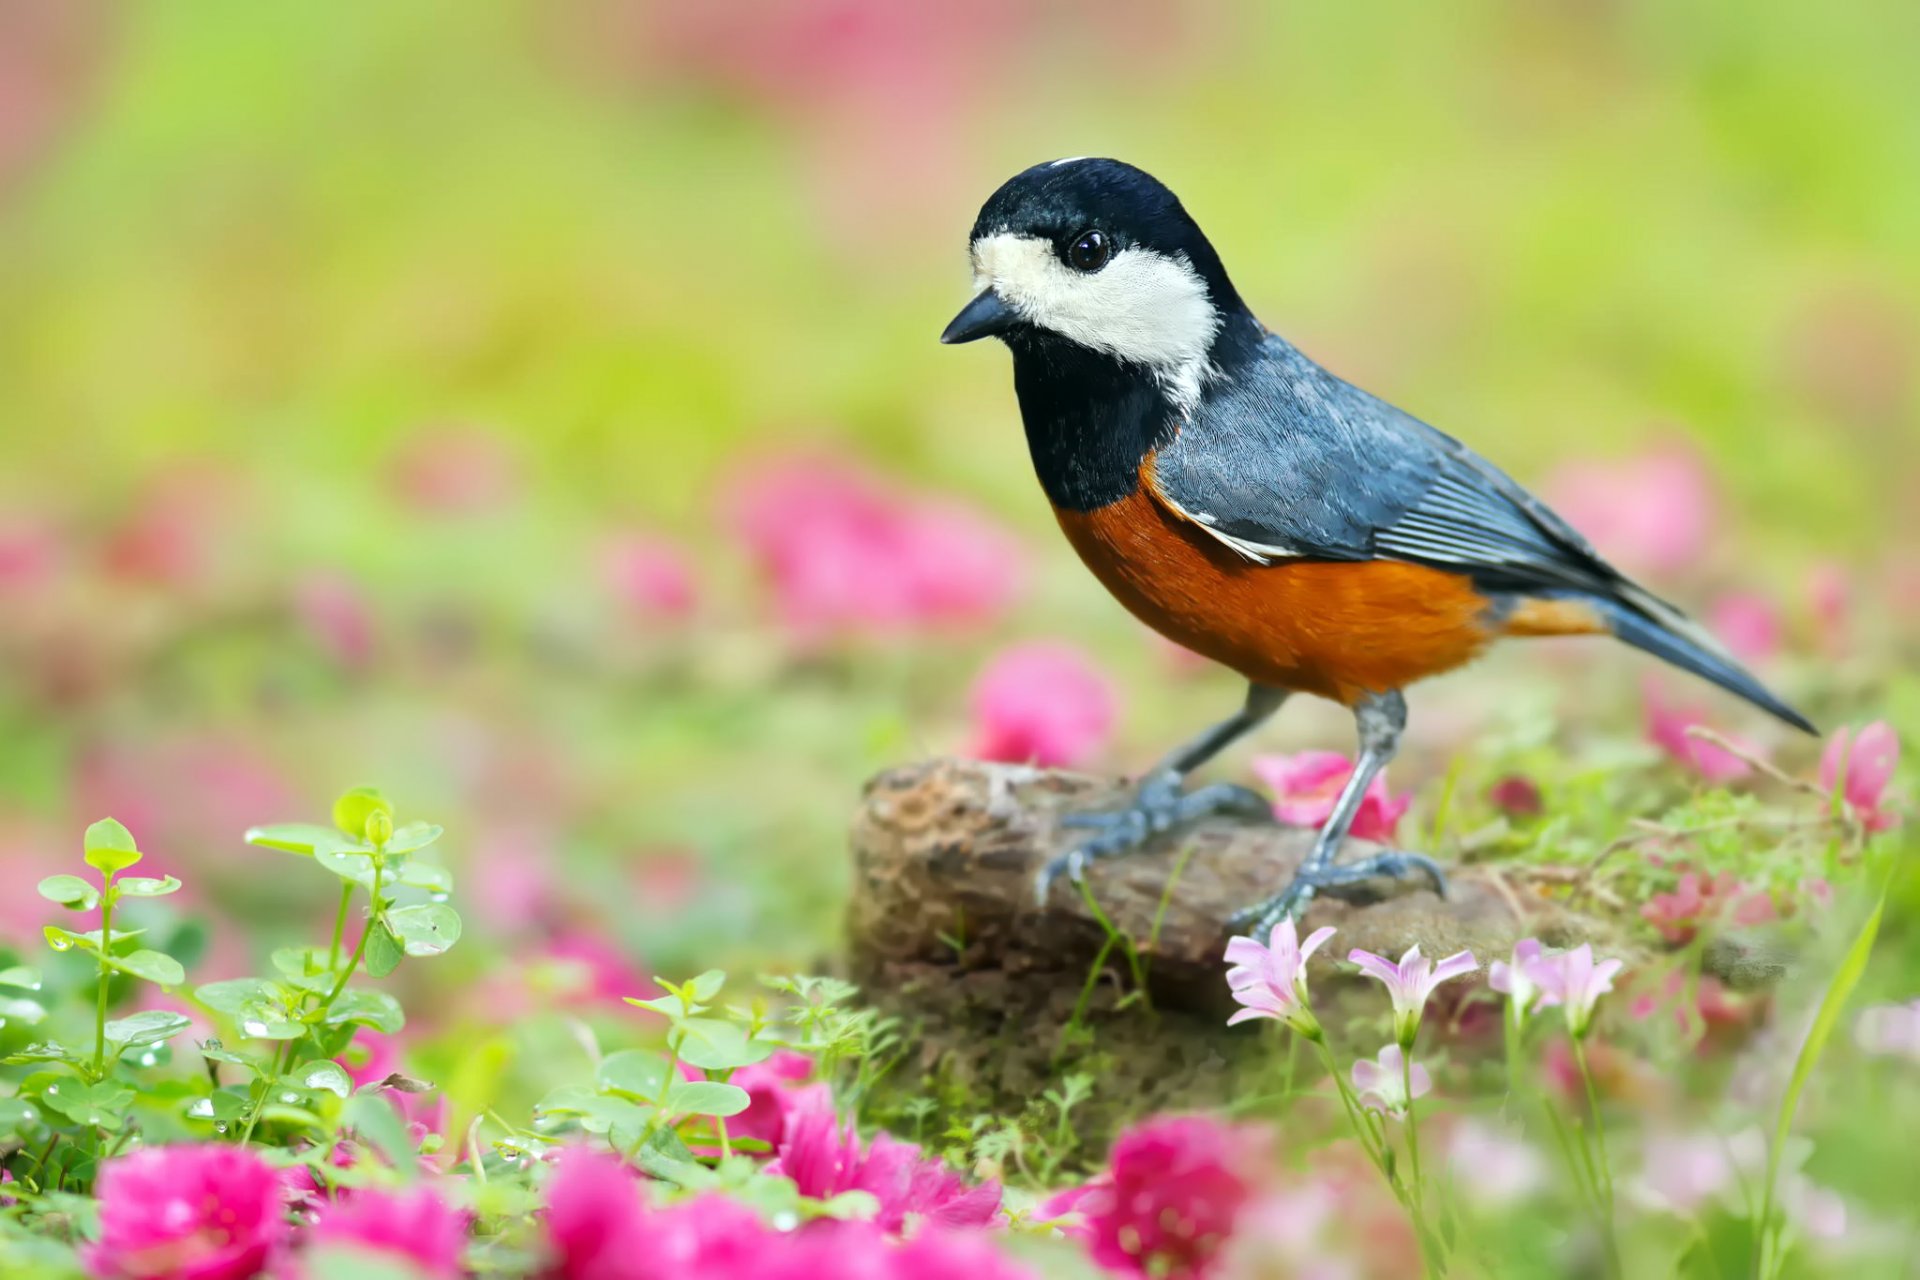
(984, 317)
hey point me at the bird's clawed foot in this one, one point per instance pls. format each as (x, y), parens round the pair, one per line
(1158, 807)
(1339, 880)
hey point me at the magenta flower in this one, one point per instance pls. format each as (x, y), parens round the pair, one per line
(1654, 513)
(1382, 1083)
(1892, 1029)
(773, 1088)
(1859, 767)
(208, 1212)
(417, 1227)
(595, 1226)
(1042, 703)
(1519, 979)
(1271, 981)
(650, 576)
(1168, 1201)
(1306, 785)
(1411, 982)
(1667, 727)
(1575, 982)
(823, 1157)
(1748, 623)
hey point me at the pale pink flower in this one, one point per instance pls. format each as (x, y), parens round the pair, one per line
(456, 471)
(1042, 703)
(1864, 763)
(334, 614)
(1271, 981)
(1683, 1174)
(416, 1227)
(1667, 726)
(1749, 624)
(206, 1212)
(1892, 1029)
(1575, 982)
(1700, 900)
(1290, 1232)
(1492, 1164)
(1170, 1198)
(1653, 514)
(1830, 600)
(1306, 786)
(29, 558)
(1411, 982)
(1687, 1175)
(651, 576)
(602, 971)
(1383, 1083)
(1518, 978)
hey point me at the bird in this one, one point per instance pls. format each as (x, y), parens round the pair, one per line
(1253, 507)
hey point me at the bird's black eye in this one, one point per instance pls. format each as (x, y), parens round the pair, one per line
(1089, 251)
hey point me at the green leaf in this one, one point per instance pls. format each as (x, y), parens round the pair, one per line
(222, 1106)
(258, 1007)
(151, 1027)
(714, 1045)
(425, 930)
(374, 1009)
(100, 1104)
(291, 837)
(146, 886)
(351, 811)
(373, 1117)
(18, 1116)
(383, 950)
(637, 1073)
(21, 1011)
(706, 986)
(45, 1051)
(20, 976)
(151, 965)
(213, 1051)
(665, 1157)
(70, 891)
(305, 967)
(429, 876)
(707, 1098)
(414, 836)
(110, 847)
(346, 863)
(323, 1074)
(66, 940)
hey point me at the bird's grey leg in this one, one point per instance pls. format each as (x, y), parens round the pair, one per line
(1380, 719)
(1159, 803)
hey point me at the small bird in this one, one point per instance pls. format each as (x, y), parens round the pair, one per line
(1251, 506)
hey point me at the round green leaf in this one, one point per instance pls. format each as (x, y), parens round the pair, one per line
(430, 876)
(348, 865)
(66, 940)
(21, 1011)
(707, 1098)
(110, 847)
(383, 950)
(70, 891)
(150, 1027)
(146, 886)
(291, 837)
(425, 930)
(374, 1009)
(20, 976)
(351, 811)
(714, 1045)
(151, 965)
(324, 1074)
(413, 836)
(638, 1073)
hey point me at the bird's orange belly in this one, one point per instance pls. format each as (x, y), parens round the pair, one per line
(1339, 630)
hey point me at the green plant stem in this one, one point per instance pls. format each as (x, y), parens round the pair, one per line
(106, 971)
(360, 948)
(340, 925)
(1413, 1127)
(1600, 1166)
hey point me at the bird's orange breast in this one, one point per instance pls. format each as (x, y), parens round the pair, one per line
(1337, 629)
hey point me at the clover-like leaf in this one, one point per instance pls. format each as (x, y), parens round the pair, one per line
(637, 1073)
(99, 1104)
(666, 1158)
(707, 1098)
(66, 939)
(323, 1074)
(20, 977)
(347, 863)
(374, 1009)
(146, 886)
(110, 847)
(430, 876)
(260, 1008)
(413, 836)
(152, 1026)
(425, 930)
(70, 891)
(154, 966)
(383, 953)
(21, 1011)
(714, 1045)
(44, 1051)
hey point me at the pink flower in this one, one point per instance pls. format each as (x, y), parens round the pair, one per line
(1306, 785)
(1383, 1083)
(416, 1226)
(1042, 703)
(603, 972)
(1653, 514)
(1698, 900)
(649, 575)
(455, 471)
(1519, 979)
(845, 555)
(372, 1057)
(208, 1212)
(1167, 1204)
(1575, 982)
(1830, 600)
(1517, 796)
(1864, 763)
(1748, 623)
(824, 1159)
(1667, 727)
(29, 557)
(1271, 981)
(772, 1092)
(1892, 1029)
(595, 1229)
(335, 616)
(1492, 1164)
(1411, 982)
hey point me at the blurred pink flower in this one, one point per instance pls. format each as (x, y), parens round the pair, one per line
(596, 1228)
(1306, 786)
(205, 1212)
(773, 1091)
(1699, 1005)
(606, 973)
(1685, 1175)
(29, 557)
(845, 555)
(1042, 703)
(415, 1227)
(1383, 1082)
(374, 1056)
(1892, 1029)
(1493, 1164)
(1167, 1204)
(1700, 900)
(335, 615)
(455, 471)
(1748, 623)
(1830, 601)
(651, 576)
(824, 1159)
(1652, 514)
(1519, 979)
(1271, 981)
(1410, 982)
(1517, 796)
(1667, 727)
(189, 796)
(1864, 763)
(1574, 981)
(165, 534)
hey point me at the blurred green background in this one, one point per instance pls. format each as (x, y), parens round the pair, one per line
(337, 343)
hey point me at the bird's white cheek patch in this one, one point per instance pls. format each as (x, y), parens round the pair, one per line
(1143, 307)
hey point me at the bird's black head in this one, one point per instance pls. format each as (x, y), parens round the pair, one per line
(1099, 254)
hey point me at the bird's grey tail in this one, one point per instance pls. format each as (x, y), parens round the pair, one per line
(1656, 627)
